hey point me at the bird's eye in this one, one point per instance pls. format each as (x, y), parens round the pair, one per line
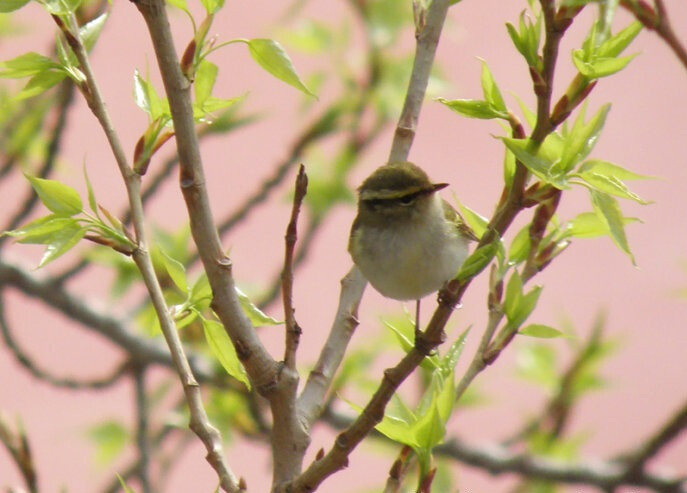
(407, 199)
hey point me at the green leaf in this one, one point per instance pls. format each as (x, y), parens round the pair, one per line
(40, 231)
(591, 225)
(537, 363)
(610, 185)
(535, 163)
(477, 222)
(610, 169)
(90, 31)
(58, 197)
(609, 211)
(491, 91)
(581, 139)
(26, 65)
(147, 99)
(110, 438)
(520, 246)
(473, 108)
(430, 429)
(206, 75)
(616, 44)
(176, 271)
(541, 331)
(91, 194)
(212, 6)
(180, 4)
(201, 293)
(449, 361)
(223, 349)
(271, 56)
(257, 317)
(12, 5)
(601, 66)
(61, 7)
(395, 426)
(61, 242)
(513, 295)
(40, 83)
(479, 259)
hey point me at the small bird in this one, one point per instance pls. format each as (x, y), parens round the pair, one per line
(406, 240)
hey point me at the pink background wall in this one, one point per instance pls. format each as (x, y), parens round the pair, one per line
(645, 132)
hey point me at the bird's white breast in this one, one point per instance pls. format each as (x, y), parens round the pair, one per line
(413, 260)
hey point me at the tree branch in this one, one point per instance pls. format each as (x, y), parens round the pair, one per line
(293, 330)
(17, 445)
(427, 37)
(497, 460)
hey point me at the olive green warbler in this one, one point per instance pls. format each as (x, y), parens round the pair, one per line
(405, 239)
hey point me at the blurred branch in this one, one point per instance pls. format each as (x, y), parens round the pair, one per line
(292, 329)
(635, 462)
(656, 19)
(37, 372)
(65, 96)
(143, 444)
(17, 445)
(604, 475)
(139, 349)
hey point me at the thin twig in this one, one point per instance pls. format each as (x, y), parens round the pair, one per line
(669, 431)
(36, 371)
(17, 444)
(292, 329)
(497, 460)
(142, 441)
(199, 422)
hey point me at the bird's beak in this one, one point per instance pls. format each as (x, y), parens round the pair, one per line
(438, 186)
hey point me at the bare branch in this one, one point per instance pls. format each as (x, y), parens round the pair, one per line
(427, 37)
(36, 371)
(311, 400)
(498, 460)
(261, 367)
(142, 440)
(17, 445)
(293, 330)
(635, 462)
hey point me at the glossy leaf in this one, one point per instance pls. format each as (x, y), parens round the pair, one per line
(223, 349)
(212, 6)
(617, 43)
(58, 197)
(180, 4)
(581, 139)
(90, 32)
(591, 225)
(601, 66)
(91, 194)
(479, 259)
(610, 169)
(520, 246)
(40, 231)
(40, 83)
(473, 108)
(610, 185)
(61, 242)
(491, 91)
(609, 211)
(175, 270)
(271, 56)
(62, 7)
(449, 361)
(257, 317)
(535, 163)
(26, 65)
(206, 75)
(110, 438)
(148, 100)
(477, 222)
(541, 331)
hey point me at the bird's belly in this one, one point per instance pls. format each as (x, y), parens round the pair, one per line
(406, 270)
